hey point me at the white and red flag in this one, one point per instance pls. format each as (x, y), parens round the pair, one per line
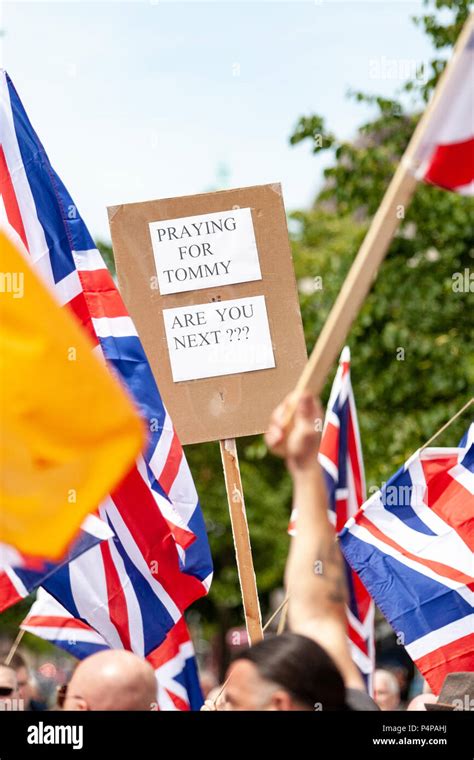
(445, 155)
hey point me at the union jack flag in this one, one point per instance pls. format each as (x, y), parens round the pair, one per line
(174, 661)
(21, 574)
(412, 545)
(340, 456)
(131, 589)
(176, 671)
(51, 621)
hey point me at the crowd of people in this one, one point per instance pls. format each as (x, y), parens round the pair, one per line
(308, 667)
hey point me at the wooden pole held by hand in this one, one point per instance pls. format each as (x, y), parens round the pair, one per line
(240, 531)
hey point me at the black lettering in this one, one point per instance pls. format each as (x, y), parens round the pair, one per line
(230, 224)
(179, 343)
(215, 227)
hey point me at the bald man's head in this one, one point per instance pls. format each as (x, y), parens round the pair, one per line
(112, 680)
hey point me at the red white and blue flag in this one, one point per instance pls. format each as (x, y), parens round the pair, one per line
(176, 671)
(412, 545)
(51, 621)
(340, 456)
(178, 687)
(445, 156)
(131, 589)
(21, 574)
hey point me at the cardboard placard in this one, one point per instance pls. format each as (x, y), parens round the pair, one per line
(209, 282)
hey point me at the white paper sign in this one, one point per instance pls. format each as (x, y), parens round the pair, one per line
(221, 338)
(205, 251)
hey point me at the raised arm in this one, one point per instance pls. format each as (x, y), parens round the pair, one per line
(315, 575)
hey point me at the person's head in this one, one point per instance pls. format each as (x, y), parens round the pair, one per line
(112, 680)
(286, 672)
(420, 701)
(25, 690)
(386, 690)
(8, 684)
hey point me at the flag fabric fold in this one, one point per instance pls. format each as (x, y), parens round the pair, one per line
(21, 574)
(445, 156)
(50, 621)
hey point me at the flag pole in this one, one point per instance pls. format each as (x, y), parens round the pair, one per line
(240, 532)
(283, 618)
(448, 423)
(14, 647)
(374, 246)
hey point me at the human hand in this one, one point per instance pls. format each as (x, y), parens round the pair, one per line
(298, 443)
(209, 706)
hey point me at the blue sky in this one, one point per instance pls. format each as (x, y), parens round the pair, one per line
(141, 100)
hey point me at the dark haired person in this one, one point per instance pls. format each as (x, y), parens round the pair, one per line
(310, 667)
(26, 685)
(8, 687)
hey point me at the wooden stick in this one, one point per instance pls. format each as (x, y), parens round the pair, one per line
(374, 247)
(14, 647)
(240, 531)
(448, 423)
(281, 608)
(282, 621)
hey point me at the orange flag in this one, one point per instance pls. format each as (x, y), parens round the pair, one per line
(69, 432)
